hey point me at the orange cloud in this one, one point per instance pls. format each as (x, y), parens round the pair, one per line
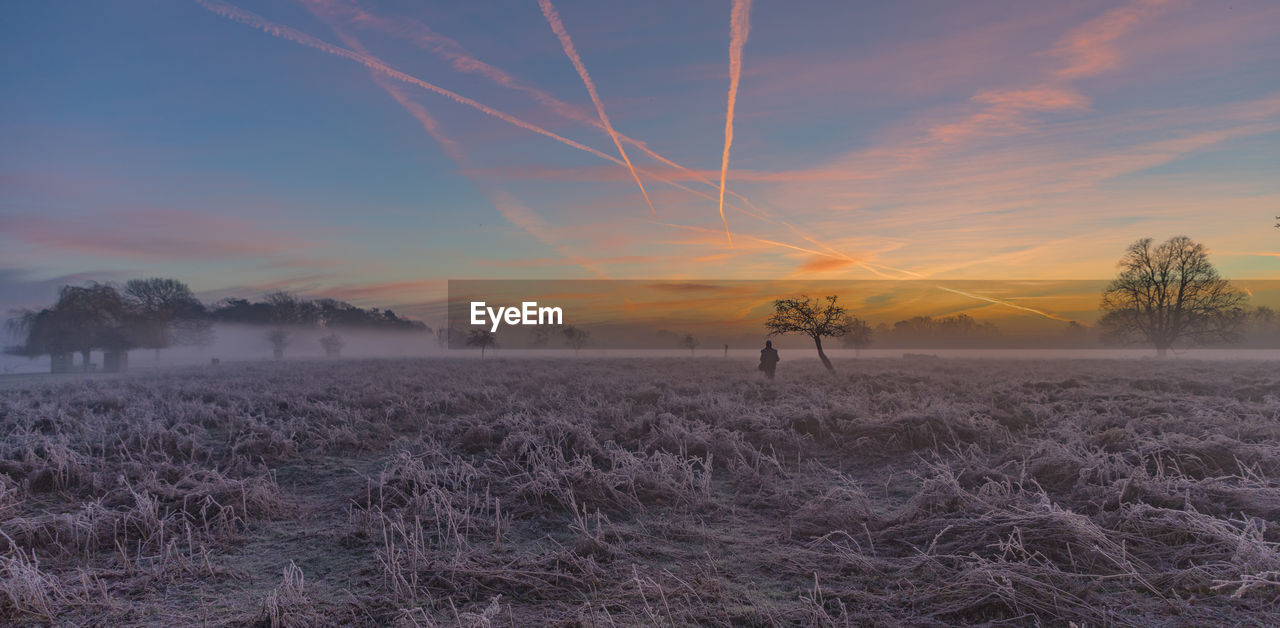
(1090, 49)
(823, 264)
(1034, 99)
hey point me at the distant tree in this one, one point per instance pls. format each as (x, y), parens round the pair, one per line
(167, 313)
(816, 318)
(1170, 294)
(283, 308)
(84, 318)
(690, 343)
(858, 336)
(575, 338)
(332, 345)
(960, 330)
(49, 331)
(482, 338)
(288, 309)
(1264, 327)
(542, 335)
(279, 340)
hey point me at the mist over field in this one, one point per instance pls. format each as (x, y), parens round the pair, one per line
(240, 343)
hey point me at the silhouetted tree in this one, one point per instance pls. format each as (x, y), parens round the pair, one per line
(279, 339)
(960, 330)
(84, 318)
(690, 343)
(542, 334)
(1170, 294)
(859, 335)
(482, 338)
(287, 309)
(48, 331)
(816, 318)
(167, 313)
(332, 345)
(575, 338)
(283, 308)
(1264, 327)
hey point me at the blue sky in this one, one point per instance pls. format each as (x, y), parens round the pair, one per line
(912, 139)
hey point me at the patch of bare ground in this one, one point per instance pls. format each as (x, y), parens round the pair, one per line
(639, 492)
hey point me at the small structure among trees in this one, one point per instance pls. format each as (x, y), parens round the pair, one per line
(1168, 295)
(816, 318)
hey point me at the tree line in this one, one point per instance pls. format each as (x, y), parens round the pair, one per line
(157, 313)
(1165, 296)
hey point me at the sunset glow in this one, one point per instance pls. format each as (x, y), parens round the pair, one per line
(371, 151)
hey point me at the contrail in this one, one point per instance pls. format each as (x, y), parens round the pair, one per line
(553, 18)
(285, 32)
(739, 27)
(462, 60)
(377, 66)
(511, 209)
(1007, 304)
(762, 241)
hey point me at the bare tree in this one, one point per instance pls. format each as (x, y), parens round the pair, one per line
(482, 338)
(332, 345)
(859, 335)
(542, 334)
(1170, 294)
(575, 338)
(279, 340)
(690, 343)
(84, 318)
(816, 318)
(167, 313)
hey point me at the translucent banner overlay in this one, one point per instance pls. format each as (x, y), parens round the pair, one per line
(708, 315)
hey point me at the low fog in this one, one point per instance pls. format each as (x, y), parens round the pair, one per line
(245, 343)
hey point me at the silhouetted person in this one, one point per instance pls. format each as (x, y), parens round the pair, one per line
(768, 359)
(726, 351)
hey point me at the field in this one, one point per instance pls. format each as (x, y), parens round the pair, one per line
(673, 492)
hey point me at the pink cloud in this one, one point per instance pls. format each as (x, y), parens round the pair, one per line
(153, 235)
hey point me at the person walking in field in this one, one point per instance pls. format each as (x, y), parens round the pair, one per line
(768, 359)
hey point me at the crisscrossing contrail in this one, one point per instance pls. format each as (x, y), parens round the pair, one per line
(553, 18)
(739, 27)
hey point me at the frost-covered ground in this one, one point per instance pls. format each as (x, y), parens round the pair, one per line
(678, 491)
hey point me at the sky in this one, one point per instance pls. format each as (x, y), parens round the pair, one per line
(370, 150)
